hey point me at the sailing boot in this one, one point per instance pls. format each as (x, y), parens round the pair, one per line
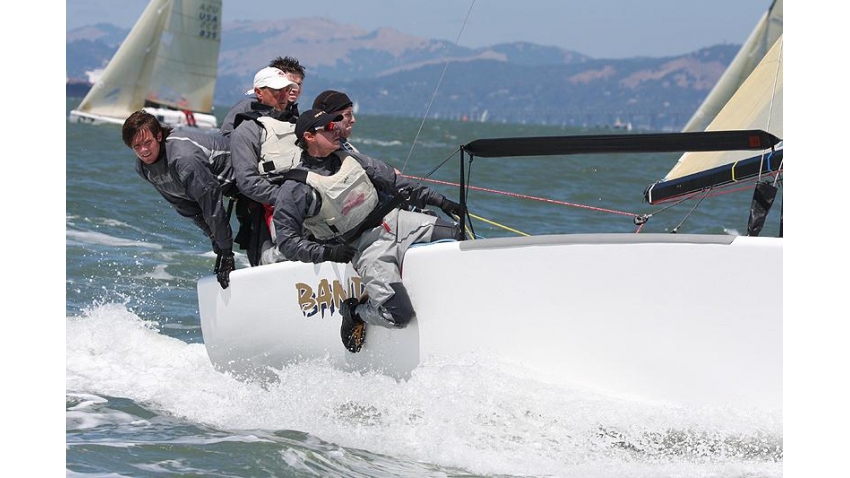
(353, 329)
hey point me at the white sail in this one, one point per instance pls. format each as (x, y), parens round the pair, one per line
(757, 104)
(169, 59)
(763, 36)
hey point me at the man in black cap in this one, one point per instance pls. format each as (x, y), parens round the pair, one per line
(337, 103)
(342, 206)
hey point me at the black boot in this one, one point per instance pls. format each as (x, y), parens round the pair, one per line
(353, 329)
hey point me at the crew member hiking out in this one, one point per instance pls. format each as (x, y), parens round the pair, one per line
(192, 171)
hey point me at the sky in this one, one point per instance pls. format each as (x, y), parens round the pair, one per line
(599, 28)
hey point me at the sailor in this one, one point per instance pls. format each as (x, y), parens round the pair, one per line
(192, 171)
(338, 103)
(343, 206)
(252, 101)
(262, 143)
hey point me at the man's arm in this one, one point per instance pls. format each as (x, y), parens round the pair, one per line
(294, 200)
(245, 156)
(203, 188)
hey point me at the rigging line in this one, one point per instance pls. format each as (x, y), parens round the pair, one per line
(439, 82)
(523, 196)
(493, 223)
(773, 98)
(778, 170)
(676, 229)
(428, 175)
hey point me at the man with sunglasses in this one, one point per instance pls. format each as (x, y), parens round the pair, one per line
(344, 206)
(338, 103)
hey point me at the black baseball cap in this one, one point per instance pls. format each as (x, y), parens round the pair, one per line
(332, 101)
(310, 120)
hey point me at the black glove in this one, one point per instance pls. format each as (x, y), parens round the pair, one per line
(224, 265)
(452, 208)
(339, 253)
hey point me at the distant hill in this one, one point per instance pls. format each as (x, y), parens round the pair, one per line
(392, 73)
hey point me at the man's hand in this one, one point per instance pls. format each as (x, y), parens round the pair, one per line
(452, 208)
(224, 266)
(339, 253)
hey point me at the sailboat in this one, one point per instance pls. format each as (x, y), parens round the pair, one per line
(751, 92)
(167, 66)
(543, 304)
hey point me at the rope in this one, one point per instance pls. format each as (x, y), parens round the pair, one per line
(439, 82)
(772, 100)
(515, 231)
(676, 229)
(523, 196)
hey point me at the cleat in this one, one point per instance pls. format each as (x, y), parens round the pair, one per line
(353, 329)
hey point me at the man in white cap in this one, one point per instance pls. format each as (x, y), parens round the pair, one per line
(262, 143)
(294, 71)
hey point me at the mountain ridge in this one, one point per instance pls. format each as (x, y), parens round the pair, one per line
(393, 73)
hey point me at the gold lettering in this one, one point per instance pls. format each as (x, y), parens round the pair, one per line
(329, 296)
(355, 287)
(305, 299)
(324, 297)
(339, 293)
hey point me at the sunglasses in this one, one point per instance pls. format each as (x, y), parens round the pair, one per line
(328, 127)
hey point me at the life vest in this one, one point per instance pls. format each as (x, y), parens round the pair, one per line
(348, 197)
(278, 152)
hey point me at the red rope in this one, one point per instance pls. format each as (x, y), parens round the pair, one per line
(524, 196)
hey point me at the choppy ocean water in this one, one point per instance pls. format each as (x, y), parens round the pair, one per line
(142, 398)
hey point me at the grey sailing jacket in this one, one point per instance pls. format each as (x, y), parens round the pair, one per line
(194, 173)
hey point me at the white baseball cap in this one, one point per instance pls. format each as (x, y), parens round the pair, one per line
(270, 77)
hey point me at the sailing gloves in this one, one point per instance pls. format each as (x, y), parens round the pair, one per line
(339, 253)
(224, 265)
(452, 208)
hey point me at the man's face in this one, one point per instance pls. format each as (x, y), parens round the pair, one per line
(273, 97)
(322, 142)
(146, 146)
(347, 123)
(295, 91)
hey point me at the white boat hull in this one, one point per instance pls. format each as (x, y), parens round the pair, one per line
(571, 309)
(167, 117)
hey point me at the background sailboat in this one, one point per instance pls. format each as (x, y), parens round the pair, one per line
(167, 64)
